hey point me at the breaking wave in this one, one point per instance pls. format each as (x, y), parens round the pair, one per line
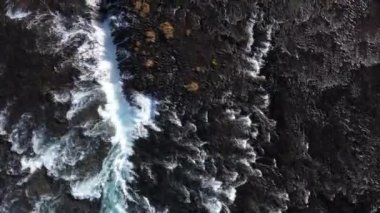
(111, 182)
(92, 155)
(15, 13)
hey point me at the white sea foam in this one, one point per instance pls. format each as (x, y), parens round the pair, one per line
(67, 34)
(3, 121)
(21, 134)
(173, 118)
(111, 183)
(93, 3)
(249, 30)
(256, 58)
(230, 194)
(212, 184)
(46, 203)
(231, 114)
(89, 188)
(241, 143)
(145, 114)
(61, 96)
(306, 196)
(17, 13)
(60, 154)
(55, 154)
(266, 101)
(212, 204)
(245, 121)
(81, 99)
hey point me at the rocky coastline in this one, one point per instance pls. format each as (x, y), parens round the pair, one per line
(261, 106)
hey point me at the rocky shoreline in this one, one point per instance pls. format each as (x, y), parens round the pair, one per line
(212, 104)
(322, 76)
(321, 53)
(32, 69)
(262, 106)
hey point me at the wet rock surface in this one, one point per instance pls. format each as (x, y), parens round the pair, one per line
(32, 68)
(212, 109)
(321, 77)
(263, 106)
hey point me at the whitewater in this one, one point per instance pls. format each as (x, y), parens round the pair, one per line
(111, 183)
(116, 121)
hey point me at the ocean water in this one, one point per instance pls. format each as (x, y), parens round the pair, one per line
(111, 183)
(99, 117)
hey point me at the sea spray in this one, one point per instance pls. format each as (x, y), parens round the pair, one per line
(116, 121)
(110, 184)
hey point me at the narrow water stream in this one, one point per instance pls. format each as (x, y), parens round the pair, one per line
(111, 183)
(99, 117)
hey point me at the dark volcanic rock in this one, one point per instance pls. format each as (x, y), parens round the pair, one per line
(323, 74)
(66, 7)
(32, 67)
(211, 111)
(323, 84)
(264, 106)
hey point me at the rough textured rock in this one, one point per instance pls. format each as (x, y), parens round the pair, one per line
(323, 80)
(213, 134)
(296, 130)
(30, 69)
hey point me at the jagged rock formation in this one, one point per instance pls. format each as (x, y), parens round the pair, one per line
(263, 106)
(32, 68)
(323, 78)
(212, 105)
